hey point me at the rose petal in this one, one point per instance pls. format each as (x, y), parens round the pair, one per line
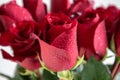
(67, 40)
(100, 39)
(30, 63)
(117, 39)
(111, 17)
(60, 5)
(7, 55)
(81, 6)
(36, 8)
(5, 38)
(15, 12)
(54, 58)
(6, 23)
(58, 23)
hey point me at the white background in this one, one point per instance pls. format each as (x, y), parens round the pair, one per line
(8, 67)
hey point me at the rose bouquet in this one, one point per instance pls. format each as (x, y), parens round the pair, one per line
(70, 42)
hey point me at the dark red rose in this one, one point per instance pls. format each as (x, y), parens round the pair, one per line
(36, 8)
(24, 47)
(60, 53)
(15, 12)
(60, 5)
(92, 35)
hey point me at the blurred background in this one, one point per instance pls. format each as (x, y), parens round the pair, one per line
(8, 67)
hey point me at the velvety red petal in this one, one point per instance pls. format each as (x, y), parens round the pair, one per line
(30, 63)
(81, 6)
(54, 58)
(6, 23)
(15, 12)
(58, 23)
(100, 39)
(36, 8)
(7, 56)
(6, 38)
(111, 17)
(68, 42)
(60, 5)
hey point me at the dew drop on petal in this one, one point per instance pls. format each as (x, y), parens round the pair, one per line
(14, 25)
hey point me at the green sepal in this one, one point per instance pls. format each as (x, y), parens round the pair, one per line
(44, 67)
(26, 72)
(79, 61)
(65, 75)
(112, 44)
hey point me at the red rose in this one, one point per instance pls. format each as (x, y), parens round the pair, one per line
(60, 53)
(36, 8)
(24, 47)
(92, 35)
(111, 17)
(15, 12)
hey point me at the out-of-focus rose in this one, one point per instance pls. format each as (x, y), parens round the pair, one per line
(60, 5)
(36, 8)
(15, 12)
(111, 17)
(92, 35)
(117, 37)
(60, 51)
(80, 6)
(24, 47)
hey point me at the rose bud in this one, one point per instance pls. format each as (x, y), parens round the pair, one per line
(36, 8)
(24, 47)
(92, 35)
(111, 17)
(60, 51)
(15, 12)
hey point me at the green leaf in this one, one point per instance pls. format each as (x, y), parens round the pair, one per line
(95, 70)
(76, 76)
(46, 75)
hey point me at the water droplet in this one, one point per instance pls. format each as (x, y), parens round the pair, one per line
(14, 25)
